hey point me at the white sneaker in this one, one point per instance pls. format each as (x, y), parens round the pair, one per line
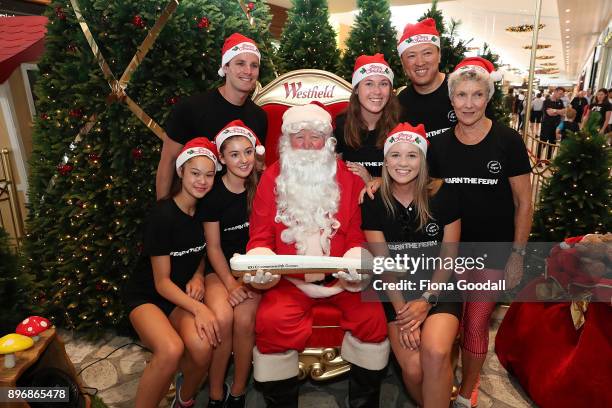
(462, 402)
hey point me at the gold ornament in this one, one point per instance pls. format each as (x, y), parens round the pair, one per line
(523, 28)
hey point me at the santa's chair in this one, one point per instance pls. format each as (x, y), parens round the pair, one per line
(321, 359)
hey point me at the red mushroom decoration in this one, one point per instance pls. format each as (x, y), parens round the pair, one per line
(32, 327)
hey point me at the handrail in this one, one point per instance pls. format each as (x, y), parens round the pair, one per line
(8, 192)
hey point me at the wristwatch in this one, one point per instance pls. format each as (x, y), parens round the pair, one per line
(430, 298)
(519, 250)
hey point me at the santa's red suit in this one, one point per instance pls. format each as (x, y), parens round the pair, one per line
(284, 318)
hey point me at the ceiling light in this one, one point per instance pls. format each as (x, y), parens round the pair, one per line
(567, 21)
(567, 29)
(567, 36)
(567, 10)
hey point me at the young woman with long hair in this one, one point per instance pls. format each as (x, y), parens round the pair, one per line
(225, 214)
(409, 211)
(166, 299)
(373, 110)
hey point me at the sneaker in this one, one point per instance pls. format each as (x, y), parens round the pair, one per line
(461, 402)
(235, 402)
(219, 403)
(176, 403)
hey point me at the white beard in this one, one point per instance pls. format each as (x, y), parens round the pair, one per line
(307, 195)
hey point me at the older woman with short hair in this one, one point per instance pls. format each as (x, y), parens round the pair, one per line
(489, 164)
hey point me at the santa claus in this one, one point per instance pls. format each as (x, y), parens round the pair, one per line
(307, 204)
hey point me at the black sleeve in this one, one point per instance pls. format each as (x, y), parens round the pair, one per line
(179, 124)
(432, 160)
(517, 157)
(262, 127)
(446, 204)
(157, 238)
(208, 208)
(372, 214)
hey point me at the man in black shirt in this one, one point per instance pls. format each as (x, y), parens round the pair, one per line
(578, 103)
(426, 99)
(552, 111)
(206, 114)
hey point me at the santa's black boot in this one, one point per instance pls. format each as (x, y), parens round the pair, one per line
(364, 387)
(281, 393)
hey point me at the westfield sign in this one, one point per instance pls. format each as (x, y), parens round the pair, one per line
(304, 86)
(297, 90)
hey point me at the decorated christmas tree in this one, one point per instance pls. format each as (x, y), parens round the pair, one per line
(576, 199)
(94, 158)
(372, 33)
(308, 40)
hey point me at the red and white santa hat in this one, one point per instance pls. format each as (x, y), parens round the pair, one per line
(199, 146)
(238, 128)
(368, 65)
(423, 32)
(234, 45)
(481, 65)
(406, 133)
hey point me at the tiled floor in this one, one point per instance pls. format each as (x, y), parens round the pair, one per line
(116, 378)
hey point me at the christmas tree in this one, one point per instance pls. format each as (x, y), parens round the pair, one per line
(372, 33)
(495, 108)
(576, 199)
(308, 40)
(88, 197)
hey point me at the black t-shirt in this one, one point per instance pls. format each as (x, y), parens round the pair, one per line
(602, 108)
(169, 231)
(230, 211)
(578, 105)
(206, 114)
(401, 231)
(368, 155)
(551, 121)
(481, 173)
(433, 110)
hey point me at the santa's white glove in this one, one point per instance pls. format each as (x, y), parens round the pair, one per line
(351, 276)
(261, 279)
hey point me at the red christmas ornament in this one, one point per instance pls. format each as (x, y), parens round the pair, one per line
(136, 153)
(93, 157)
(99, 286)
(137, 21)
(204, 22)
(251, 6)
(44, 116)
(76, 113)
(64, 169)
(60, 13)
(173, 100)
(71, 47)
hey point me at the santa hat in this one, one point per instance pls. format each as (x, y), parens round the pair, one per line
(309, 116)
(238, 128)
(368, 65)
(405, 133)
(481, 65)
(236, 44)
(423, 32)
(200, 146)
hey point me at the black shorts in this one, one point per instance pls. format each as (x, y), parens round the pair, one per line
(134, 300)
(453, 308)
(536, 117)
